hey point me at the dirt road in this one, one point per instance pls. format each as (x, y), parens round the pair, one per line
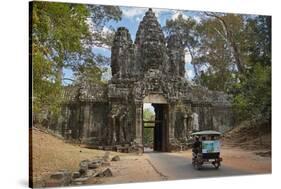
(153, 166)
(174, 166)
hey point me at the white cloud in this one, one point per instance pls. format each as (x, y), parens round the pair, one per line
(106, 76)
(204, 67)
(148, 106)
(177, 13)
(130, 12)
(197, 18)
(185, 15)
(187, 57)
(189, 74)
(106, 30)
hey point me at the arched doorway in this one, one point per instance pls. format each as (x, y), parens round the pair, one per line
(159, 125)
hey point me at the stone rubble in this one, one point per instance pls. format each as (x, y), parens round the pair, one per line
(106, 156)
(87, 168)
(95, 164)
(76, 175)
(105, 173)
(60, 178)
(115, 158)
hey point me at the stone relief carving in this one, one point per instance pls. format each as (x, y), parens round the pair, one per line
(194, 122)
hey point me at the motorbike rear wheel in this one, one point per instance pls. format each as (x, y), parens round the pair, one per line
(197, 165)
(217, 164)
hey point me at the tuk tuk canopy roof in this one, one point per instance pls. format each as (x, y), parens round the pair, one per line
(209, 132)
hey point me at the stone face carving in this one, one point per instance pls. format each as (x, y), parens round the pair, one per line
(122, 52)
(150, 45)
(176, 55)
(149, 68)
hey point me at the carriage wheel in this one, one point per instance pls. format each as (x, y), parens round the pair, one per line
(216, 164)
(193, 163)
(197, 165)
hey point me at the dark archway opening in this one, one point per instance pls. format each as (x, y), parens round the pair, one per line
(155, 127)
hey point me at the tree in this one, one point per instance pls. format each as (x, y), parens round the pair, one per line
(148, 115)
(185, 28)
(232, 53)
(91, 69)
(62, 36)
(252, 95)
(231, 31)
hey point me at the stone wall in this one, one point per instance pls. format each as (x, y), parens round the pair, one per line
(223, 119)
(86, 122)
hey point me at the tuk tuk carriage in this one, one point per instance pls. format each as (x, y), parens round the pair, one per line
(206, 149)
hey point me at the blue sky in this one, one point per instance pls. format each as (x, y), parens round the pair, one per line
(131, 17)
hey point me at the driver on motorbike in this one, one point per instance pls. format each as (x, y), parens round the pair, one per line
(196, 146)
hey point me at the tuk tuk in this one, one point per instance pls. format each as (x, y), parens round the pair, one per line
(206, 149)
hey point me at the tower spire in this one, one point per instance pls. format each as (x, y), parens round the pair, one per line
(150, 44)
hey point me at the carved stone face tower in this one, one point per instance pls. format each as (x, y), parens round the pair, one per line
(122, 54)
(149, 53)
(152, 70)
(149, 70)
(150, 44)
(177, 56)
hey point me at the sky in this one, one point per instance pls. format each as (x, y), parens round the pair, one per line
(148, 106)
(131, 17)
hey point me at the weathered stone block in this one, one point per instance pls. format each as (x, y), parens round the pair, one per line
(57, 175)
(106, 156)
(84, 167)
(94, 164)
(79, 181)
(60, 178)
(91, 172)
(105, 173)
(105, 164)
(115, 158)
(76, 175)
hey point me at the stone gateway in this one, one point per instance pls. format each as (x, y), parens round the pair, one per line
(149, 70)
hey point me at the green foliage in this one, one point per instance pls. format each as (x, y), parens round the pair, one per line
(60, 28)
(148, 115)
(218, 39)
(252, 99)
(63, 35)
(45, 90)
(232, 53)
(57, 32)
(186, 29)
(148, 136)
(100, 15)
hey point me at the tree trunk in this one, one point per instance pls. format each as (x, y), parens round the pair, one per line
(230, 41)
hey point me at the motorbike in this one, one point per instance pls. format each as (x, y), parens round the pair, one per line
(207, 150)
